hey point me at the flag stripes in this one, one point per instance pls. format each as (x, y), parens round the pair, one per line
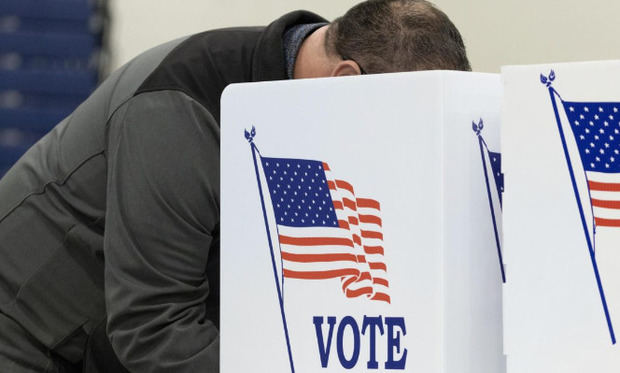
(325, 231)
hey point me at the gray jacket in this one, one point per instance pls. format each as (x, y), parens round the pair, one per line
(116, 211)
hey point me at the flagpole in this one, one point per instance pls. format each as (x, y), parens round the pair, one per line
(250, 138)
(486, 179)
(552, 93)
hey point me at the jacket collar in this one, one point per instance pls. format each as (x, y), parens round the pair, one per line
(269, 61)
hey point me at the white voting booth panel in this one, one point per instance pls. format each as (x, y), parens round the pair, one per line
(356, 225)
(560, 140)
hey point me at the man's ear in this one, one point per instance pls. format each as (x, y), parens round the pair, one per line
(346, 67)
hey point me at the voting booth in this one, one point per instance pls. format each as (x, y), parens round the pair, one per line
(361, 224)
(561, 147)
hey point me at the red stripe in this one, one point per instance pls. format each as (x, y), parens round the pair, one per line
(377, 265)
(320, 275)
(357, 292)
(605, 187)
(368, 203)
(361, 259)
(373, 249)
(606, 204)
(380, 281)
(349, 204)
(344, 185)
(313, 258)
(365, 276)
(371, 219)
(326, 166)
(353, 220)
(357, 239)
(343, 224)
(607, 222)
(331, 185)
(381, 297)
(338, 205)
(348, 282)
(315, 241)
(372, 234)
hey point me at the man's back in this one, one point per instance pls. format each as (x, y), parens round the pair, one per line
(129, 184)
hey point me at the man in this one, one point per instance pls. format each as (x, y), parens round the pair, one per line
(109, 226)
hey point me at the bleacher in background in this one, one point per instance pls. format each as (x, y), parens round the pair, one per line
(50, 61)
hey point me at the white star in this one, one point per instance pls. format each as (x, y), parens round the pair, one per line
(581, 116)
(606, 165)
(595, 116)
(571, 108)
(587, 130)
(587, 151)
(592, 165)
(582, 137)
(612, 159)
(598, 159)
(601, 131)
(606, 145)
(591, 144)
(585, 108)
(600, 109)
(601, 151)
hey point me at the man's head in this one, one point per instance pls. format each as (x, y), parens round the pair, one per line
(379, 36)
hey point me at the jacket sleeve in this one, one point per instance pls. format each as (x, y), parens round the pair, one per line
(162, 212)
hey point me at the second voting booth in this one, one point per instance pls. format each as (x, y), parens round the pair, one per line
(361, 225)
(561, 147)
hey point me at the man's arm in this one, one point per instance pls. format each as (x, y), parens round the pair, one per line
(162, 208)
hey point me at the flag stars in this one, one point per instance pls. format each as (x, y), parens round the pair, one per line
(587, 151)
(592, 165)
(616, 151)
(591, 144)
(571, 108)
(587, 130)
(600, 109)
(607, 145)
(601, 151)
(581, 116)
(582, 137)
(601, 131)
(606, 165)
(586, 109)
(595, 116)
(612, 159)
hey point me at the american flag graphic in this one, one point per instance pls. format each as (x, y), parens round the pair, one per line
(596, 128)
(324, 230)
(495, 160)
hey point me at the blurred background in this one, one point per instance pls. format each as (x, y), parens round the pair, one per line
(53, 53)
